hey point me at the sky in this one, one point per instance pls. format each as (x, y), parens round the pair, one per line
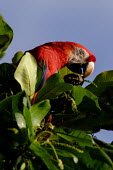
(87, 22)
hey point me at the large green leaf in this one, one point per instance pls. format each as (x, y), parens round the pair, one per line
(64, 71)
(39, 111)
(92, 156)
(8, 108)
(6, 35)
(39, 151)
(88, 111)
(98, 154)
(26, 73)
(17, 102)
(92, 159)
(104, 91)
(9, 131)
(102, 81)
(79, 137)
(53, 87)
(85, 100)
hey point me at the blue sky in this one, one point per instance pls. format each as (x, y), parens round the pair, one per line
(88, 22)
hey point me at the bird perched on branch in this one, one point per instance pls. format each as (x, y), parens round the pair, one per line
(55, 55)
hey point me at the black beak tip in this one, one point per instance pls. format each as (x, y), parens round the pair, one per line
(78, 68)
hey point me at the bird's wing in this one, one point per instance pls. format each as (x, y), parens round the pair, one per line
(41, 74)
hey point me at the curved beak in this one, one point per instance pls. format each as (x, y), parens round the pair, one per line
(88, 69)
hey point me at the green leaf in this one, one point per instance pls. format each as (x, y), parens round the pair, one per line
(26, 73)
(64, 71)
(106, 99)
(33, 164)
(67, 154)
(104, 91)
(8, 108)
(20, 120)
(3, 40)
(23, 166)
(93, 161)
(2, 55)
(17, 57)
(103, 144)
(10, 136)
(39, 111)
(75, 136)
(85, 99)
(92, 156)
(5, 112)
(6, 35)
(29, 124)
(79, 137)
(17, 105)
(53, 87)
(44, 155)
(99, 154)
(8, 85)
(102, 81)
(88, 113)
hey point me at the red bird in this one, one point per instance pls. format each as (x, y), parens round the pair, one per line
(56, 55)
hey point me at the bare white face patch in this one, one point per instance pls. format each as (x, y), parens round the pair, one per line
(78, 55)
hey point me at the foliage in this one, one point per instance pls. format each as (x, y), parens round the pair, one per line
(51, 130)
(6, 35)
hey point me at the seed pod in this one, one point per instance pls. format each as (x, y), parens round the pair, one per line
(75, 79)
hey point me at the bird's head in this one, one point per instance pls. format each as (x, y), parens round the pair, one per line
(81, 61)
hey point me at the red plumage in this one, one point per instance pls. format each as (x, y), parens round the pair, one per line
(59, 54)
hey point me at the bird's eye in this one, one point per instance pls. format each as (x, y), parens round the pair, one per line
(81, 51)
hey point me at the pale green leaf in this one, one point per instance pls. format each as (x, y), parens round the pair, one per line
(26, 73)
(20, 120)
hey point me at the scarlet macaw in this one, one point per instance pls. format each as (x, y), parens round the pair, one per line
(56, 55)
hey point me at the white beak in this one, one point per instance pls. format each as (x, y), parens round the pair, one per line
(89, 70)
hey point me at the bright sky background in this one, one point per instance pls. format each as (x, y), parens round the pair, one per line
(87, 22)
